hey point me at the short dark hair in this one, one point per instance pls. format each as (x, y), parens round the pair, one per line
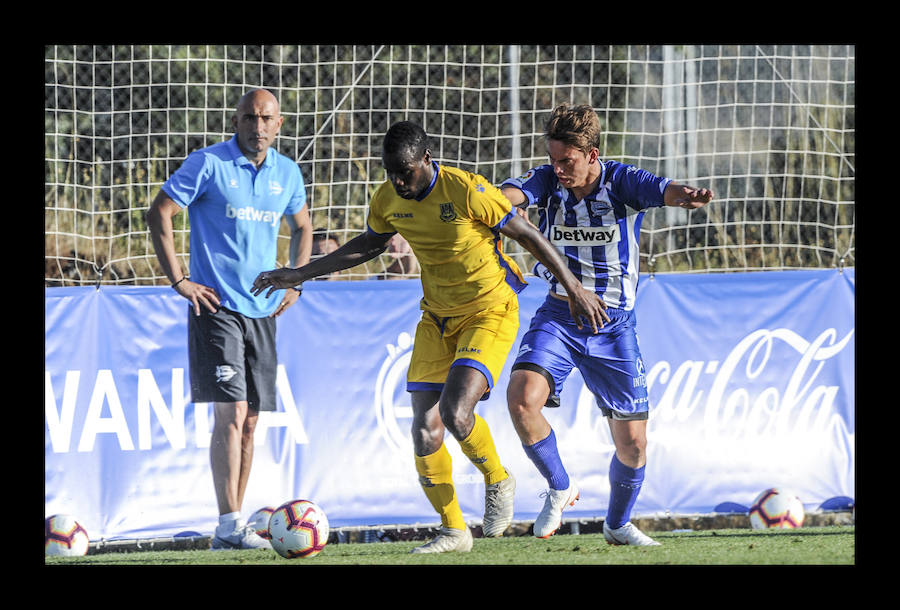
(405, 138)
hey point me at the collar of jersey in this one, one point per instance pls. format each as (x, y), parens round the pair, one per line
(592, 196)
(427, 191)
(240, 159)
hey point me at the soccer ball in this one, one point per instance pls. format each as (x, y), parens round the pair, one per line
(298, 528)
(259, 521)
(64, 536)
(776, 508)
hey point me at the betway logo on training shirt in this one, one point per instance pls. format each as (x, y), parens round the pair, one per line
(584, 236)
(248, 212)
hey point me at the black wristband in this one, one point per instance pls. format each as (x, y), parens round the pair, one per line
(179, 281)
(299, 289)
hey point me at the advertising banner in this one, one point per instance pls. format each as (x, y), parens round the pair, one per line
(751, 380)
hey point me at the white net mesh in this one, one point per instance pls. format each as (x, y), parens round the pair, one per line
(770, 128)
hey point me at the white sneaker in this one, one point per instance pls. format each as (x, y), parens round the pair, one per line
(448, 539)
(550, 517)
(498, 506)
(243, 537)
(628, 534)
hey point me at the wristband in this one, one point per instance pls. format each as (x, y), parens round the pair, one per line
(299, 289)
(179, 281)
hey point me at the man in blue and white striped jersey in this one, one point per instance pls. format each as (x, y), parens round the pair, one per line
(591, 210)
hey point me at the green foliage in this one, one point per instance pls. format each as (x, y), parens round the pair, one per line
(774, 138)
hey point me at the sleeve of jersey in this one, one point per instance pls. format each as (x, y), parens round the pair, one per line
(641, 189)
(298, 198)
(488, 205)
(532, 183)
(375, 221)
(189, 181)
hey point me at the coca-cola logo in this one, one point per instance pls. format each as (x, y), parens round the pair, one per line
(774, 400)
(772, 382)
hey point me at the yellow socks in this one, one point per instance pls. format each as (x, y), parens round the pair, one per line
(479, 448)
(436, 472)
(436, 478)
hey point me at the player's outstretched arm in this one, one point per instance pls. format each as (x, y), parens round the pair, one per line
(585, 306)
(687, 197)
(362, 248)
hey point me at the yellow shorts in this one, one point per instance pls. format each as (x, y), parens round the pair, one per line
(481, 340)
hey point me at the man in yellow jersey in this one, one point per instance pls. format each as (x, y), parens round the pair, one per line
(453, 220)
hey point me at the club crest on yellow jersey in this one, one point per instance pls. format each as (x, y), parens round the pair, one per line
(448, 214)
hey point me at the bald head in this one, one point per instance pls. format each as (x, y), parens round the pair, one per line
(255, 96)
(256, 123)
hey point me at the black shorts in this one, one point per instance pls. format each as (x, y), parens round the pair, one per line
(232, 358)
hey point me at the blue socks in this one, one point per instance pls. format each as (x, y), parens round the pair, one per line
(545, 456)
(624, 482)
(624, 486)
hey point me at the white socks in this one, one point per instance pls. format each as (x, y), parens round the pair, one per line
(229, 522)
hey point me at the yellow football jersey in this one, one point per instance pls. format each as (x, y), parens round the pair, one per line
(454, 232)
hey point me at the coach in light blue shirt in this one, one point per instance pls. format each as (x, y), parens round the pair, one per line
(235, 209)
(236, 193)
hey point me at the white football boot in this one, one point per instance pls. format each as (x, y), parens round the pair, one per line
(627, 534)
(448, 539)
(498, 506)
(550, 517)
(243, 537)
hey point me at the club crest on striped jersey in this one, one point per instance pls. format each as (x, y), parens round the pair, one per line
(526, 176)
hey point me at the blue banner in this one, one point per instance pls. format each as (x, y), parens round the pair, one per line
(751, 380)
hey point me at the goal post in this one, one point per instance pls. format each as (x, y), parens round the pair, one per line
(770, 128)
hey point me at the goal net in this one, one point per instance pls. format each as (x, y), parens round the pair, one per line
(770, 128)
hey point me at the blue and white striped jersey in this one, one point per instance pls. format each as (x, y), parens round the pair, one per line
(599, 235)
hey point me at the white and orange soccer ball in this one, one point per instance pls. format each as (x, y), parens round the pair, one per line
(776, 508)
(298, 528)
(259, 521)
(65, 536)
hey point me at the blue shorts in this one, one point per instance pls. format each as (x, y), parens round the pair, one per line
(610, 361)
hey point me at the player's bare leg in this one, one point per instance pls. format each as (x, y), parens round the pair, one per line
(246, 452)
(630, 439)
(463, 390)
(427, 428)
(227, 453)
(626, 476)
(526, 395)
(435, 469)
(453, 410)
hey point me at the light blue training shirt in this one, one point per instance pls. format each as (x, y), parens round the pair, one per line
(235, 211)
